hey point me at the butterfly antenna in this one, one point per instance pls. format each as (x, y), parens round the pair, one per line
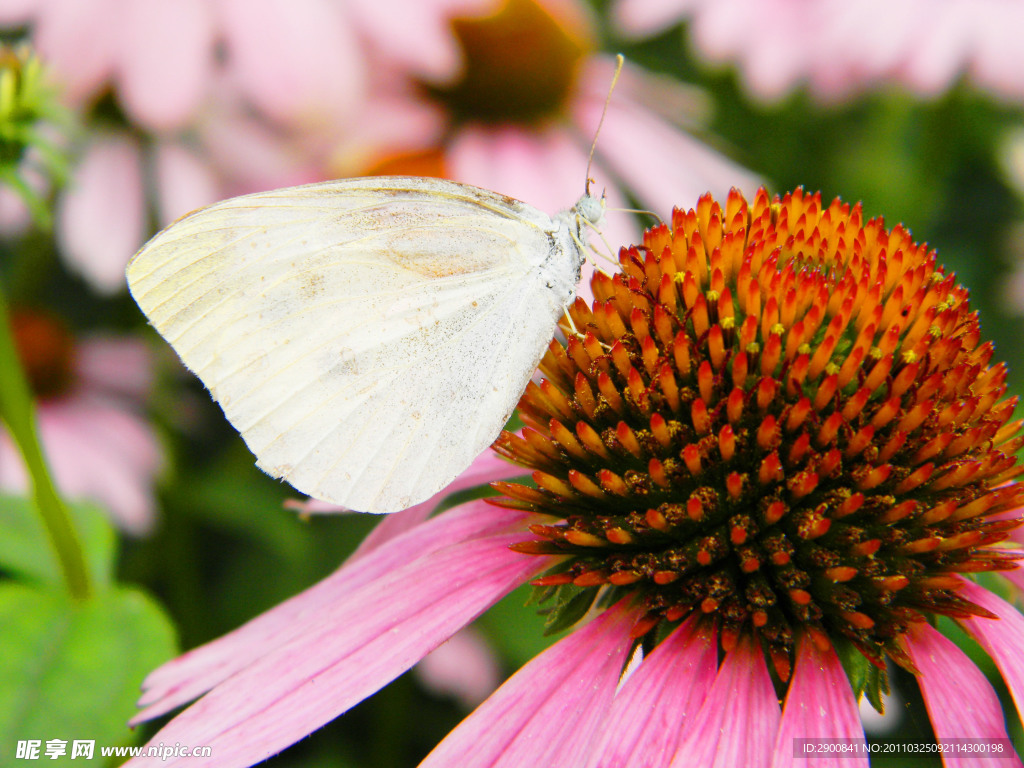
(619, 61)
(639, 211)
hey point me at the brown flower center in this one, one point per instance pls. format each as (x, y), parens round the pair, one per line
(778, 416)
(46, 351)
(520, 65)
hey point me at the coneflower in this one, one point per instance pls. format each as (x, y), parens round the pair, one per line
(770, 453)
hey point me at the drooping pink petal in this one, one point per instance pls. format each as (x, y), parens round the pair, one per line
(184, 181)
(199, 670)
(101, 217)
(634, 140)
(546, 169)
(1002, 638)
(76, 40)
(998, 60)
(551, 711)
(942, 46)
(298, 60)
(114, 365)
(738, 722)
(165, 61)
(819, 705)
(420, 38)
(653, 709)
(103, 453)
(486, 468)
(249, 156)
(348, 650)
(16, 13)
(961, 702)
(642, 18)
(464, 667)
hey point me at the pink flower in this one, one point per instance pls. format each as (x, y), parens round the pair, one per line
(522, 124)
(837, 49)
(463, 667)
(295, 65)
(778, 440)
(292, 60)
(98, 446)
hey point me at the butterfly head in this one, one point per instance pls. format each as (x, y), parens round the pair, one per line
(588, 214)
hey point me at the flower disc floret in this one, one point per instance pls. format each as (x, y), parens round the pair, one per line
(777, 415)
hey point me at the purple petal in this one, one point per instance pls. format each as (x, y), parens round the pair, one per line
(740, 717)
(202, 668)
(348, 650)
(819, 704)
(1002, 638)
(550, 711)
(960, 700)
(650, 711)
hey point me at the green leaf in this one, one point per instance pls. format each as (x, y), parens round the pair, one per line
(72, 669)
(25, 548)
(865, 677)
(571, 605)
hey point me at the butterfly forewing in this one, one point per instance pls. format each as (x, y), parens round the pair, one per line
(367, 337)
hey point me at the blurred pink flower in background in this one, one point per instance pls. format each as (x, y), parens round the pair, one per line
(838, 49)
(521, 120)
(304, 91)
(463, 667)
(293, 65)
(98, 444)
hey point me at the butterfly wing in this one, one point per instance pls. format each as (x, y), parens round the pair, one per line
(367, 337)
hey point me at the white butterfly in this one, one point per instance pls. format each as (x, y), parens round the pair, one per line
(367, 337)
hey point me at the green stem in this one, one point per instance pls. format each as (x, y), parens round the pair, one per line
(16, 409)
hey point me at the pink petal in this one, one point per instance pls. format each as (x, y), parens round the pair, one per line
(251, 157)
(549, 713)
(359, 642)
(961, 702)
(13, 477)
(111, 364)
(101, 218)
(819, 705)
(942, 46)
(297, 60)
(1001, 638)
(100, 452)
(740, 717)
(643, 18)
(635, 143)
(185, 182)
(545, 169)
(420, 37)
(652, 711)
(463, 667)
(199, 670)
(486, 468)
(76, 40)
(165, 60)
(16, 13)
